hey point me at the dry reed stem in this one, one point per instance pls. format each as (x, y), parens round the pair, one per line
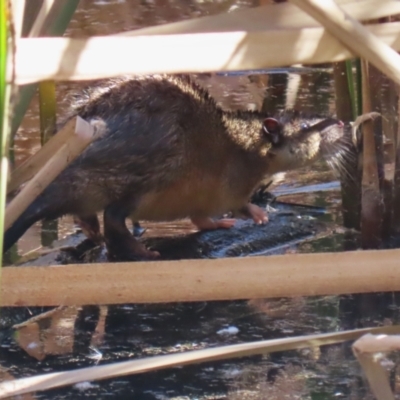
(58, 379)
(81, 59)
(289, 275)
(33, 164)
(353, 35)
(272, 16)
(40, 21)
(85, 133)
(18, 8)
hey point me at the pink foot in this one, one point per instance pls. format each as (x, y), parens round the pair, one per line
(204, 223)
(151, 255)
(258, 215)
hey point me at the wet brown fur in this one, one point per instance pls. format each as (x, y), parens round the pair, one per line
(169, 152)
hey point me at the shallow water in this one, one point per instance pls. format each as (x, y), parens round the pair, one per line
(79, 337)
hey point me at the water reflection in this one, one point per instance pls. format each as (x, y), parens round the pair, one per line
(116, 333)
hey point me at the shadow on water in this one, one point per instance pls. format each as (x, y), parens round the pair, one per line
(305, 218)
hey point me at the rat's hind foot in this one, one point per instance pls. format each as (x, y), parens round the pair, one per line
(90, 227)
(204, 223)
(258, 215)
(121, 245)
(130, 250)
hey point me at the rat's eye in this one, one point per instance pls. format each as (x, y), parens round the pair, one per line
(304, 125)
(272, 130)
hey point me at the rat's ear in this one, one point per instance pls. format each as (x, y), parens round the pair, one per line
(272, 130)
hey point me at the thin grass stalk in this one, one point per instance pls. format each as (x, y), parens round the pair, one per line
(351, 88)
(359, 86)
(47, 111)
(5, 90)
(18, 9)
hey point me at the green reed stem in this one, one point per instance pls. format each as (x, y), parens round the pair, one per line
(4, 115)
(359, 86)
(47, 110)
(351, 87)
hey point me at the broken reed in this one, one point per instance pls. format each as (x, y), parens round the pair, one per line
(370, 193)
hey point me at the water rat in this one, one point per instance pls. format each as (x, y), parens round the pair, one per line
(170, 152)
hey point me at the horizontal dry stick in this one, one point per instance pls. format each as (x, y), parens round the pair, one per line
(85, 134)
(77, 59)
(202, 280)
(39, 317)
(58, 379)
(353, 35)
(271, 16)
(33, 164)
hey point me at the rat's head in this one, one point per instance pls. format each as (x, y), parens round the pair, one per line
(297, 141)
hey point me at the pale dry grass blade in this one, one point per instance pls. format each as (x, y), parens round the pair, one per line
(273, 16)
(18, 8)
(353, 35)
(53, 380)
(81, 59)
(34, 163)
(5, 375)
(85, 133)
(40, 21)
